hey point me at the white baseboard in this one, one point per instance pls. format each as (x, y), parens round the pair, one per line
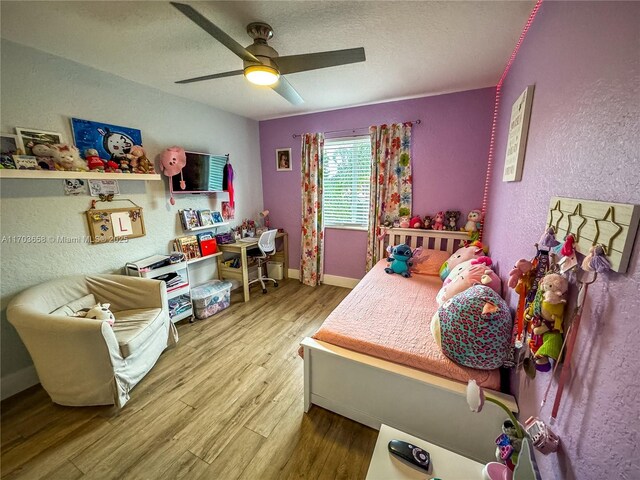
(334, 280)
(18, 381)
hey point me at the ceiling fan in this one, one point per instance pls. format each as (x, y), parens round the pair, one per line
(261, 64)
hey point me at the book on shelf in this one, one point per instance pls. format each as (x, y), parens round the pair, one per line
(189, 246)
(205, 218)
(189, 218)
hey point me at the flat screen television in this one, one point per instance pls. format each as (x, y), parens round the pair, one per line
(203, 173)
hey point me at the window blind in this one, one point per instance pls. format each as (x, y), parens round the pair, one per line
(346, 178)
(216, 171)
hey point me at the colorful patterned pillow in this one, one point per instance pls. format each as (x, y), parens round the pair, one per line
(474, 328)
(428, 261)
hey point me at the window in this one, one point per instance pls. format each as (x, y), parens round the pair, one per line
(346, 178)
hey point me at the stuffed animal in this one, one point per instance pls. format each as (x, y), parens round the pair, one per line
(67, 158)
(415, 222)
(44, 156)
(478, 274)
(451, 217)
(549, 324)
(427, 223)
(474, 328)
(520, 269)
(438, 221)
(400, 259)
(474, 221)
(172, 161)
(94, 162)
(458, 271)
(139, 161)
(405, 222)
(468, 252)
(99, 312)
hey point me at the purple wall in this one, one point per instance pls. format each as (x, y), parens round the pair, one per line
(449, 164)
(583, 142)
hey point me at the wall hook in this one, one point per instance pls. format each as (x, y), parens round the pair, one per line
(610, 213)
(576, 213)
(555, 209)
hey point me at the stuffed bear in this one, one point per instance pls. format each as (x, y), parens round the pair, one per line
(94, 162)
(550, 326)
(400, 259)
(67, 158)
(474, 328)
(468, 252)
(139, 161)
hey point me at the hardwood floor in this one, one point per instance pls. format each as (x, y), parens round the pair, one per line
(226, 403)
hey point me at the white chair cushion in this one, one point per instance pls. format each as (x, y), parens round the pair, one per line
(134, 327)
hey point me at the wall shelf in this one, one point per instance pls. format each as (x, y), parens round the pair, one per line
(200, 259)
(215, 225)
(52, 175)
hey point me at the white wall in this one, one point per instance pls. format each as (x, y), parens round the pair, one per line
(42, 91)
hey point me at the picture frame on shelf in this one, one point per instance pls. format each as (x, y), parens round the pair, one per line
(283, 159)
(111, 141)
(25, 162)
(8, 148)
(28, 137)
(217, 217)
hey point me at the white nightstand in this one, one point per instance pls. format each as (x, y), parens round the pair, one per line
(444, 464)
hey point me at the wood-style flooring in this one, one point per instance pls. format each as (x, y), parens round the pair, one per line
(226, 403)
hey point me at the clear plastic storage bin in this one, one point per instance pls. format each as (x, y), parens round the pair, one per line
(211, 297)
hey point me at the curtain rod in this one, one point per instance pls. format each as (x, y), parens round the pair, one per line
(353, 130)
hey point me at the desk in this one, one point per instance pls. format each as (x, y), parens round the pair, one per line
(242, 273)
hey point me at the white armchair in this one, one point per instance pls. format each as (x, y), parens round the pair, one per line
(84, 361)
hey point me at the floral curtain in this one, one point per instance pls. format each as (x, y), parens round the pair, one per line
(391, 181)
(312, 238)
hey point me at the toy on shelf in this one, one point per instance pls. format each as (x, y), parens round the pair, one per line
(94, 162)
(451, 218)
(474, 221)
(44, 156)
(139, 161)
(415, 222)
(438, 221)
(405, 222)
(67, 158)
(426, 224)
(400, 258)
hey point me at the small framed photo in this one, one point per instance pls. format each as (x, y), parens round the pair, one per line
(25, 162)
(8, 148)
(283, 159)
(28, 137)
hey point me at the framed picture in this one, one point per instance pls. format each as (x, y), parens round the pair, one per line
(103, 187)
(28, 137)
(8, 148)
(283, 159)
(517, 141)
(25, 162)
(111, 141)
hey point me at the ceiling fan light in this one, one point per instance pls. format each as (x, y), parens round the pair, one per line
(261, 74)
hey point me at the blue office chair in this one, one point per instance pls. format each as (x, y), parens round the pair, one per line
(266, 248)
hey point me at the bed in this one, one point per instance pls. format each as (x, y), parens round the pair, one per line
(373, 360)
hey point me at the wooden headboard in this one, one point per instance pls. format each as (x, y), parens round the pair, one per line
(415, 237)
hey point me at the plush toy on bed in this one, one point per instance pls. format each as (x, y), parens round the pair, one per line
(478, 274)
(474, 328)
(468, 252)
(400, 259)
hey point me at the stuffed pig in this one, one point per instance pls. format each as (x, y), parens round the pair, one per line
(172, 161)
(474, 328)
(469, 252)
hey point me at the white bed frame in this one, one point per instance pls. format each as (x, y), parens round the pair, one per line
(373, 391)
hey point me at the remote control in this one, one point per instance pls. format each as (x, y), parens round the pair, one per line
(410, 453)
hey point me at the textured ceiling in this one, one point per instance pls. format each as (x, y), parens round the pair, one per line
(413, 48)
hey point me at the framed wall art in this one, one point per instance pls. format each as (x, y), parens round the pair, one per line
(517, 141)
(28, 137)
(283, 159)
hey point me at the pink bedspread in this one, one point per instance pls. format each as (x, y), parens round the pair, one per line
(389, 317)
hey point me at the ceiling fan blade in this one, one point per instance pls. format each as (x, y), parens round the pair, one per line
(286, 90)
(215, 32)
(313, 61)
(211, 77)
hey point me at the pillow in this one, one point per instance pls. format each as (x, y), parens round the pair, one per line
(428, 261)
(473, 250)
(71, 308)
